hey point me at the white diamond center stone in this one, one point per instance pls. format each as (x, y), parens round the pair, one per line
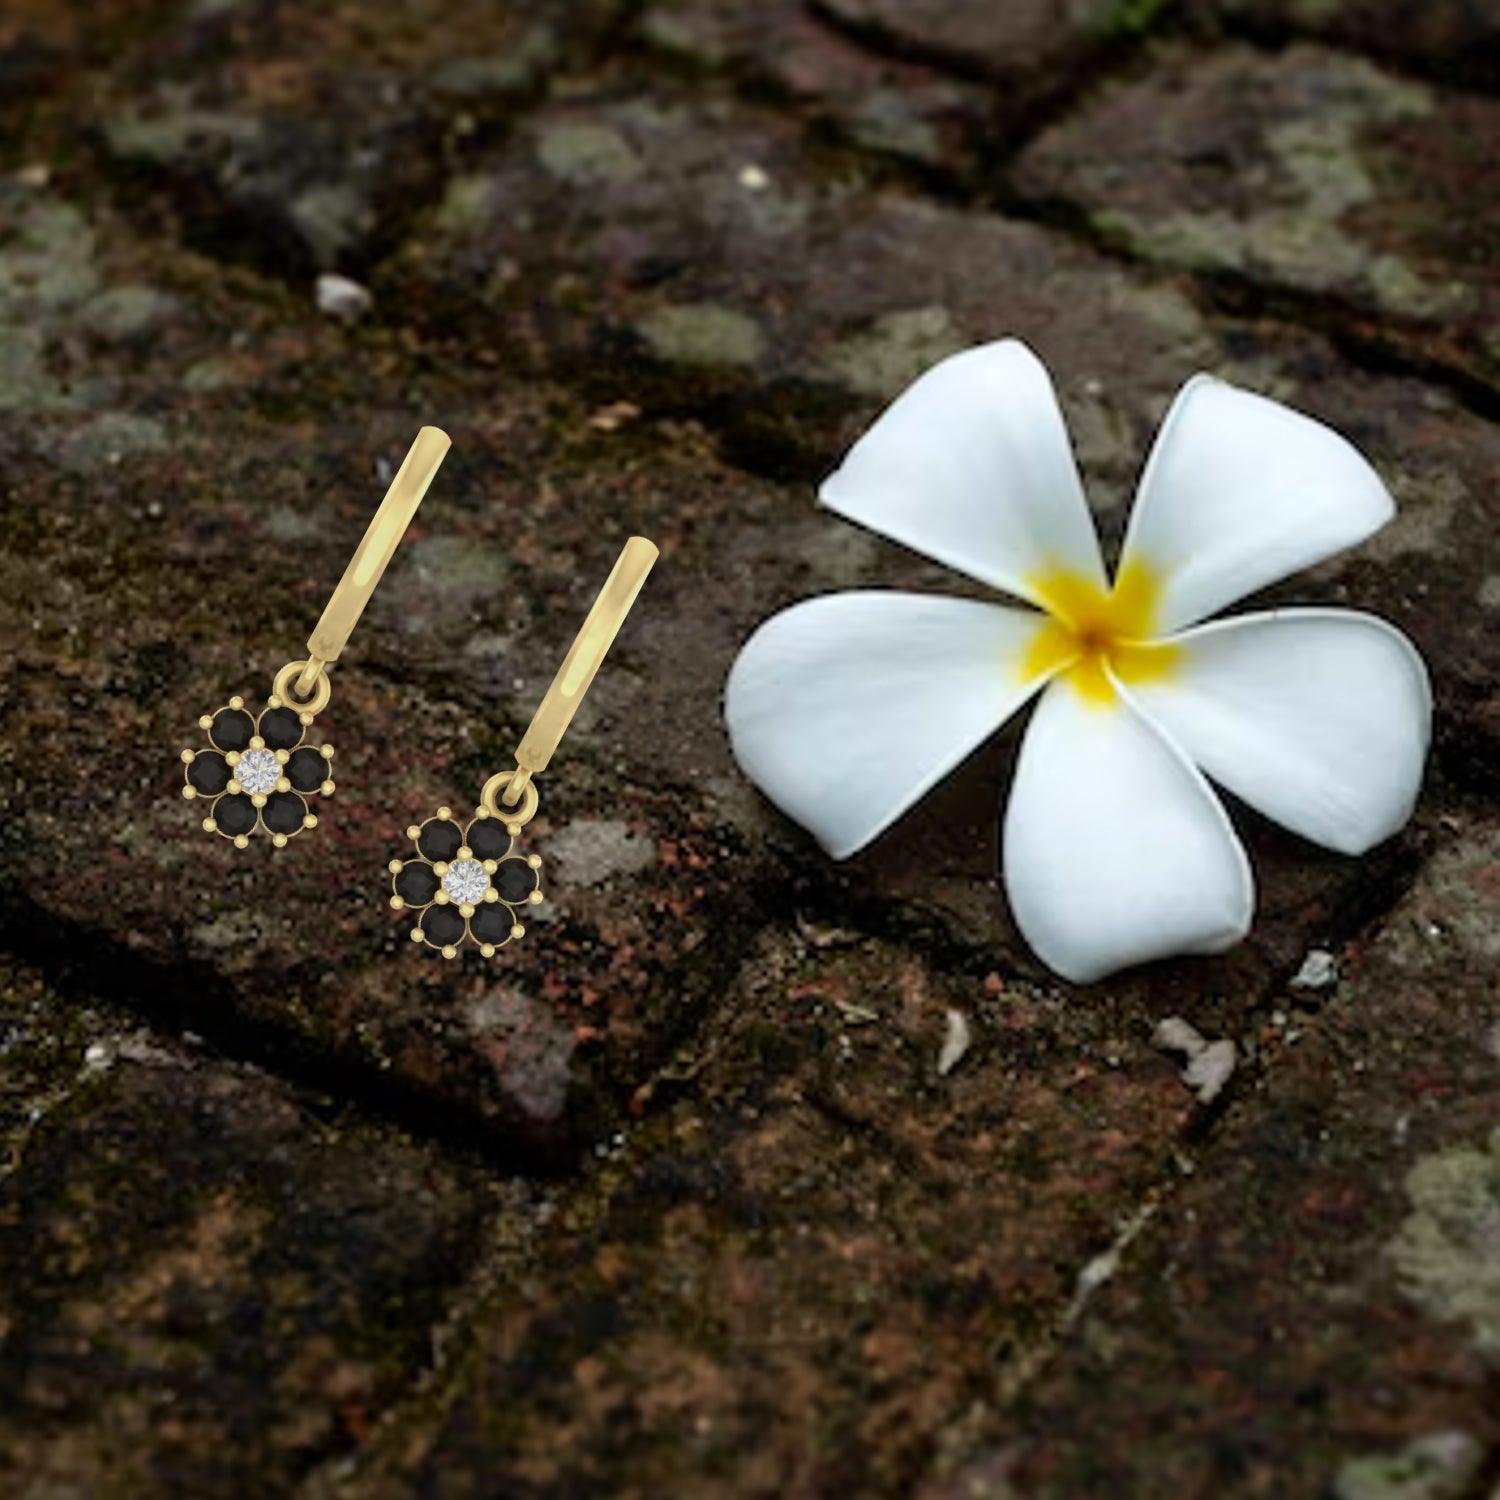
(258, 771)
(466, 881)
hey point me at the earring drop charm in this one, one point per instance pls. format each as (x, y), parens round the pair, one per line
(257, 774)
(466, 881)
(260, 773)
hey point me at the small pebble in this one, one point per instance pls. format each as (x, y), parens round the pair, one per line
(1210, 1065)
(1176, 1035)
(1213, 1067)
(614, 416)
(956, 1042)
(1319, 971)
(342, 298)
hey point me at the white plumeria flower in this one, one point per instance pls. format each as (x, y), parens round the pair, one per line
(847, 709)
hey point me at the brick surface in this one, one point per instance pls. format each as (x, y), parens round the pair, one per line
(1307, 172)
(819, 1253)
(1031, 47)
(917, 114)
(1320, 1293)
(307, 140)
(743, 1173)
(1455, 39)
(208, 1284)
(699, 248)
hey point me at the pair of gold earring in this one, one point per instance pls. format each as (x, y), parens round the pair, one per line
(260, 773)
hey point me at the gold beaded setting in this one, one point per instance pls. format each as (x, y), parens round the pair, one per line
(259, 774)
(465, 885)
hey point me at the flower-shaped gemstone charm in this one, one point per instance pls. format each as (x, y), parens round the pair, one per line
(465, 882)
(257, 774)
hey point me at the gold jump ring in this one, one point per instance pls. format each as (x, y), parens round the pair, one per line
(284, 688)
(517, 816)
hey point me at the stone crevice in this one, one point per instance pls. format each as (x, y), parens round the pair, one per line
(193, 997)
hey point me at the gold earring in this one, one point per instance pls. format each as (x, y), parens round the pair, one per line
(468, 881)
(258, 772)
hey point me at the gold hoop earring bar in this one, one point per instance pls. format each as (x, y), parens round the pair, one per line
(331, 633)
(592, 642)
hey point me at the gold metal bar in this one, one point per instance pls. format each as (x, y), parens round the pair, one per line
(304, 685)
(582, 661)
(400, 504)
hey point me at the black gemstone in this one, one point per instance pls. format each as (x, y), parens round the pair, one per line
(208, 773)
(232, 729)
(306, 769)
(280, 728)
(487, 838)
(515, 880)
(491, 923)
(440, 838)
(416, 884)
(442, 925)
(234, 814)
(283, 812)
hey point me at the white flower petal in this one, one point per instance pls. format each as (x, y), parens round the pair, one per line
(1116, 849)
(846, 709)
(1318, 718)
(971, 465)
(1240, 491)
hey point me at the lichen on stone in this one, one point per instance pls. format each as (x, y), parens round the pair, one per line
(704, 333)
(583, 154)
(1447, 1251)
(887, 356)
(1436, 1466)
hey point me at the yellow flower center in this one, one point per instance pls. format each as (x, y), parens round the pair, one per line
(1089, 629)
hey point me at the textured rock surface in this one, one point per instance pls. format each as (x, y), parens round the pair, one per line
(1031, 47)
(1291, 1324)
(1451, 38)
(742, 1174)
(1305, 172)
(801, 1240)
(917, 114)
(208, 1282)
(307, 139)
(703, 245)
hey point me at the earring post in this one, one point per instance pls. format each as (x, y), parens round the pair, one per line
(384, 533)
(581, 663)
